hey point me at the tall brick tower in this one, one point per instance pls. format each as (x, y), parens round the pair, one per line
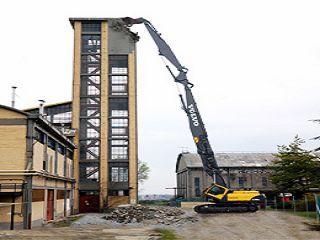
(104, 113)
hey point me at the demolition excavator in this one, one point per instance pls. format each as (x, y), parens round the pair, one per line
(222, 199)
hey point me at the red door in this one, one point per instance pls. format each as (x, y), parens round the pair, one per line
(89, 203)
(50, 205)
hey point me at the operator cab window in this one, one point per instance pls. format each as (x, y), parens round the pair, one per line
(216, 190)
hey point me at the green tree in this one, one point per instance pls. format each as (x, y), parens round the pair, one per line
(296, 170)
(143, 171)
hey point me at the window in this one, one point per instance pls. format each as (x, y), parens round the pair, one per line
(115, 174)
(94, 42)
(51, 143)
(216, 190)
(92, 153)
(242, 182)
(119, 153)
(62, 117)
(91, 101)
(119, 174)
(40, 136)
(119, 90)
(93, 113)
(69, 154)
(119, 113)
(61, 149)
(93, 90)
(94, 79)
(119, 79)
(118, 67)
(92, 133)
(119, 142)
(197, 187)
(44, 164)
(91, 58)
(264, 182)
(94, 121)
(118, 131)
(119, 70)
(119, 122)
(91, 27)
(90, 44)
(118, 192)
(92, 173)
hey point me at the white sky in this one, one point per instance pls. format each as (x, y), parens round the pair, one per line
(255, 66)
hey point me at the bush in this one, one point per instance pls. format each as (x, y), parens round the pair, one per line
(301, 204)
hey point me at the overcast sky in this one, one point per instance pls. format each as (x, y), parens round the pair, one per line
(255, 66)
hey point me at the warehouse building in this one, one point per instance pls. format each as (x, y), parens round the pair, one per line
(36, 176)
(239, 170)
(101, 119)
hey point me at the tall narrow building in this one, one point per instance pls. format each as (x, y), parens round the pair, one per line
(104, 113)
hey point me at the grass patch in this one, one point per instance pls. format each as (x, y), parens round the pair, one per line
(166, 234)
(154, 202)
(312, 215)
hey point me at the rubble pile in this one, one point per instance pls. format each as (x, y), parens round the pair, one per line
(149, 214)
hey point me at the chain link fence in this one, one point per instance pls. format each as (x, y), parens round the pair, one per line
(306, 206)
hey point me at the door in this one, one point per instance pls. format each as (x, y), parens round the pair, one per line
(89, 203)
(50, 205)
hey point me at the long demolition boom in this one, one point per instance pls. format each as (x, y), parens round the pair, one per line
(189, 105)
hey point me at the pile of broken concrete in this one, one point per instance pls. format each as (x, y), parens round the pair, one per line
(149, 215)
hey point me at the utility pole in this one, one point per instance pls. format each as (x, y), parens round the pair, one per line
(13, 96)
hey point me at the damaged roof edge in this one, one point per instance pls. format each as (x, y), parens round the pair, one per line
(75, 19)
(135, 36)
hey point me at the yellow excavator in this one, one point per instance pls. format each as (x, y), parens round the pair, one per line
(222, 198)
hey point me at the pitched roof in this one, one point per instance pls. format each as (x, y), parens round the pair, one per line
(48, 105)
(193, 160)
(14, 110)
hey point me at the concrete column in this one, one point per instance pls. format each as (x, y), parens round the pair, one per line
(55, 194)
(103, 198)
(65, 200)
(45, 204)
(27, 199)
(133, 151)
(76, 107)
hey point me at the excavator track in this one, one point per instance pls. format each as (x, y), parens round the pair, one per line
(225, 208)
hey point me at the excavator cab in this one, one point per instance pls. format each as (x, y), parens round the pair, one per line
(216, 192)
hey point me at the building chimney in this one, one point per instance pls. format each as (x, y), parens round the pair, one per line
(41, 107)
(13, 97)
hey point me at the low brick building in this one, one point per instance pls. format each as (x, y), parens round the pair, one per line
(240, 170)
(36, 175)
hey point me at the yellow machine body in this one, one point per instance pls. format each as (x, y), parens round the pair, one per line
(219, 193)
